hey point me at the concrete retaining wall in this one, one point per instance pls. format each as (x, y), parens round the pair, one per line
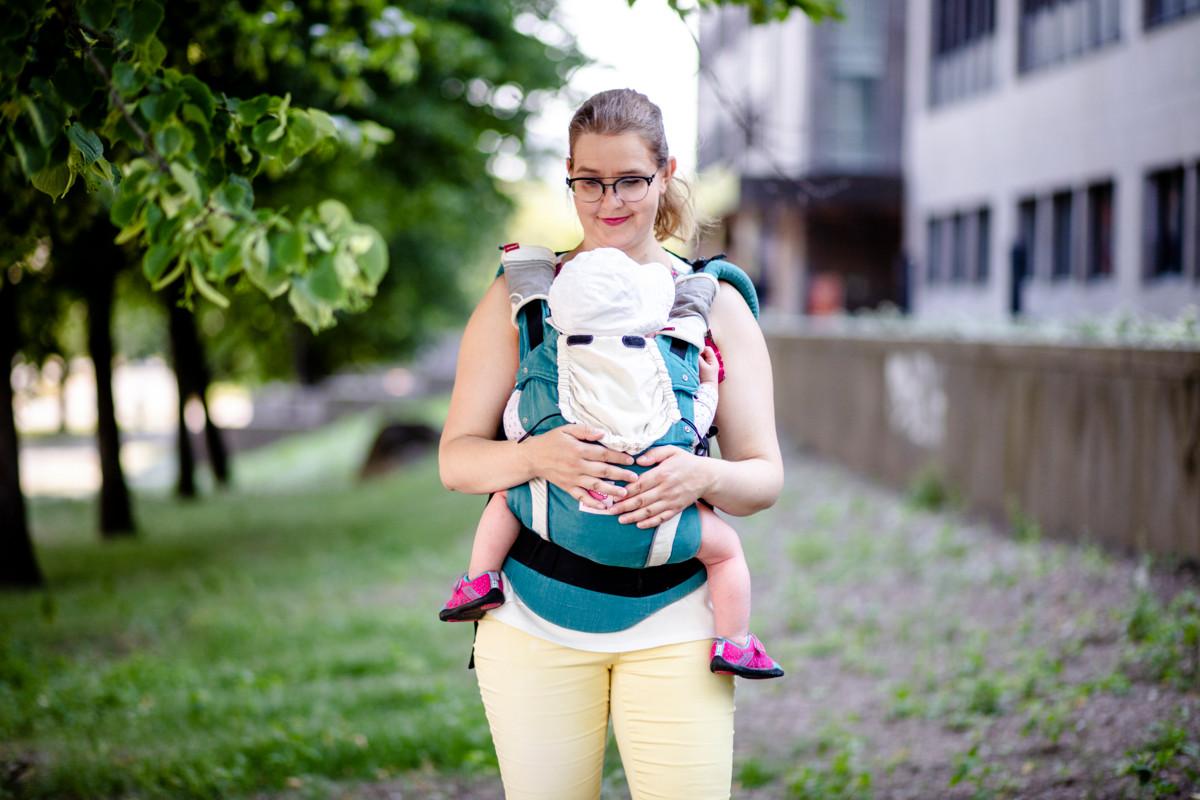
(1091, 442)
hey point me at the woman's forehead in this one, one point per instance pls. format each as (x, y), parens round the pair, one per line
(618, 154)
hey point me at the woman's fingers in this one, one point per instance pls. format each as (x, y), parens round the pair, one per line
(656, 455)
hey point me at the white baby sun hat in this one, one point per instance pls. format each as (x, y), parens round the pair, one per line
(604, 292)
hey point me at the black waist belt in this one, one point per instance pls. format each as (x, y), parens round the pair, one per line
(557, 562)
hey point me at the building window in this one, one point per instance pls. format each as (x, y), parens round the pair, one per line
(1100, 230)
(983, 244)
(1052, 31)
(961, 60)
(1060, 265)
(1027, 234)
(1164, 222)
(958, 264)
(935, 250)
(1159, 12)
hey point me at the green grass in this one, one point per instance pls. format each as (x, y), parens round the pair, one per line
(247, 638)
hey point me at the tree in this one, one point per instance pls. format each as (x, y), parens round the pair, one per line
(79, 81)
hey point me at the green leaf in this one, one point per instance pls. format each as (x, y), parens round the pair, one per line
(333, 215)
(206, 289)
(374, 260)
(266, 136)
(199, 94)
(171, 276)
(154, 263)
(225, 261)
(249, 111)
(129, 233)
(30, 153)
(159, 107)
(74, 83)
(54, 180)
(96, 14)
(147, 16)
(128, 79)
(260, 266)
(287, 252)
(88, 143)
(126, 204)
(47, 121)
(187, 180)
(322, 282)
(316, 315)
(172, 140)
(235, 195)
(324, 124)
(302, 134)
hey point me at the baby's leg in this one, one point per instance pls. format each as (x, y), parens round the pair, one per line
(728, 575)
(494, 536)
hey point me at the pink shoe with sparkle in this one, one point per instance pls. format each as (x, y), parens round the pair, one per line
(751, 661)
(473, 597)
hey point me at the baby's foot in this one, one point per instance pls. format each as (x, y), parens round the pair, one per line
(472, 597)
(747, 660)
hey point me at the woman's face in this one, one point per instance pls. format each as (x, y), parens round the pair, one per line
(613, 221)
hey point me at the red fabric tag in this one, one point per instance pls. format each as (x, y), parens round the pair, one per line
(508, 248)
(708, 340)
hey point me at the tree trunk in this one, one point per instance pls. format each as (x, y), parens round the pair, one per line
(192, 378)
(18, 564)
(116, 515)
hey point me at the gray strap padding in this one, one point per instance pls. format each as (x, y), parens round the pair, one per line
(528, 272)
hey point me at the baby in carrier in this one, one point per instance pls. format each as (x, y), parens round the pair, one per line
(607, 308)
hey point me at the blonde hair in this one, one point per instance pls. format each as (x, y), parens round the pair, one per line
(619, 111)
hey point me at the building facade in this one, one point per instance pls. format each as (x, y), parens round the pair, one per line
(807, 118)
(1052, 157)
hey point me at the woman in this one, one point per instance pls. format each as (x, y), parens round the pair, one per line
(549, 691)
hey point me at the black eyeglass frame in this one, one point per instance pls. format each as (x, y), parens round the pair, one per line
(649, 179)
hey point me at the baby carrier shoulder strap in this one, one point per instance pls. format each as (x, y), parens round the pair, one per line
(727, 271)
(531, 323)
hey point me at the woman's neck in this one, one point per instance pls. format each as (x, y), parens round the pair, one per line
(643, 253)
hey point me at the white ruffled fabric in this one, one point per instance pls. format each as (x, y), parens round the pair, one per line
(604, 292)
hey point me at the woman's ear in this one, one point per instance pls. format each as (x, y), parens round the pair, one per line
(568, 165)
(669, 169)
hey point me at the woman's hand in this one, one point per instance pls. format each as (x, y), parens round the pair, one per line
(678, 479)
(569, 457)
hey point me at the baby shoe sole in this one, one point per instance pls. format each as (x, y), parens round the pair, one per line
(722, 667)
(473, 609)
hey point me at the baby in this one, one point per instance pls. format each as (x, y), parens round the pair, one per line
(639, 300)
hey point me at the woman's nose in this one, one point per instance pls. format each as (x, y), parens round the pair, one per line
(611, 199)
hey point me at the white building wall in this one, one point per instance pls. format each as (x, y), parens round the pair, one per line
(1118, 112)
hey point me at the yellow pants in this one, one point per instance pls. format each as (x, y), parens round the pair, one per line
(548, 708)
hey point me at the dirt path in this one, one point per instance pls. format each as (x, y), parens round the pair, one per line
(930, 656)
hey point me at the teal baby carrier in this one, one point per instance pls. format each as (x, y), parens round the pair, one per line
(585, 570)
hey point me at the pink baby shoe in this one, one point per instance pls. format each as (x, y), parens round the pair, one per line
(473, 597)
(749, 661)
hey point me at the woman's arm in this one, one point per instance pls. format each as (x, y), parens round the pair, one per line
(749, 475)
(471, 461)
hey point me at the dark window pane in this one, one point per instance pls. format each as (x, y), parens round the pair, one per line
(1027, 231)
(983, 244)
(958, 265)
(1164, 217)
(1158, 12)
(1061, 265)
(1100, 231)
(934, 255)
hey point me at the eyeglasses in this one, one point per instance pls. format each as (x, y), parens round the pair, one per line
(629, 189)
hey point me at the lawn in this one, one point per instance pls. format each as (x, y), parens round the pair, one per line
(274, 636)
(280, 641)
